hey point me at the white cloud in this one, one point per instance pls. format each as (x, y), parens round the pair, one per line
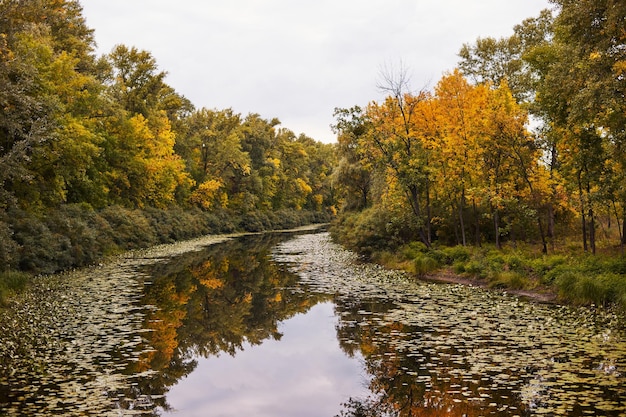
(297, 60)
(305, 374)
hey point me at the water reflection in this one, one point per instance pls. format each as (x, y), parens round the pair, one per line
(447, 350)
(304, 374)
(221, 329)
(114, 339)
(217, 301)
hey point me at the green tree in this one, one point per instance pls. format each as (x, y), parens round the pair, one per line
(353, 171)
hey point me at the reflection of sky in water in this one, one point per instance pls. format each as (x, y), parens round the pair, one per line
(304, 374)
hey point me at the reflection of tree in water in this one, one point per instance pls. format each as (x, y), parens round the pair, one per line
(211, 302)
(407, 378)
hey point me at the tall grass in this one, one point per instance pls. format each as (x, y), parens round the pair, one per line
(12, 282)
(599, 280)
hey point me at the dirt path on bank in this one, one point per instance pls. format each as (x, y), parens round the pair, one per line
(542, 295)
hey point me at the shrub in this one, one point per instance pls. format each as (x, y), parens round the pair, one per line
(12, 282)
(543, 265)
(475, 268)
(515, 262)
(508, 279)
(412, 250)
(585, 288)
(41, 250)
(9, 249)
(130, 228)
(84, 229)
(566, 281)
(457, 254)
(424, 264)
(458, 267)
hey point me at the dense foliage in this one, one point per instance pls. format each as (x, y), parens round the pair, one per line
(522, 146)
(523, 143)
(99, 154)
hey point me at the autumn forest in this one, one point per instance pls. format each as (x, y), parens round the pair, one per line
(521, 145)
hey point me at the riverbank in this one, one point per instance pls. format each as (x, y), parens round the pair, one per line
(564, 277)
(74, 236)
(542, 295)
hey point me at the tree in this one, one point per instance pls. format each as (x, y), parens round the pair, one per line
(398, 144)
(459, 115)
(354, 170)
(493, 61)
(47, 94)
(215, 153)
(136, 83)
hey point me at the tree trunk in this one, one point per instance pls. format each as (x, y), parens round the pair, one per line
(414, 200)
(592, 230)
(582, 212)
(462, 222)
(496, 225)
(476, 224)
(428, 214)
(620, 229)
(592, 221)
(551, 221)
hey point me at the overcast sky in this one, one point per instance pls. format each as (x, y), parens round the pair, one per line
(299, 59)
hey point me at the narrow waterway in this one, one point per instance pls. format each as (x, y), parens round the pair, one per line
(286, 324)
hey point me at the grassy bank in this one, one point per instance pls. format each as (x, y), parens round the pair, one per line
(575, 279)
(76, 235)
(11, 283)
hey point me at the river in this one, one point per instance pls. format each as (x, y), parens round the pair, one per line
(290, 324)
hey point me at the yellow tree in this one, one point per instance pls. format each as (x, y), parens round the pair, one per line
(215, 156)
(510, 161)
(143, 168)
(459, 110)
(397, 143)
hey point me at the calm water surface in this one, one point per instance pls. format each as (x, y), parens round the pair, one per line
(291, 324)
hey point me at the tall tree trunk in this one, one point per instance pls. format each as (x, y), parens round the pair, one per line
(428, 213)
(623, 227)
(414, 200)
(551, 221)
(582, 212)
(496, 225)
(620, 229)
(462, 222)
(477, 239)
(592, 230)
(592, 219)
(544, 244)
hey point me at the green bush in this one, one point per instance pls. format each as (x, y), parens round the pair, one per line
(41, 250)
(585, 288)
(12, 282)
(86, 232)
(508, 279)
(130, 229)
(475, 268)
(617, 265)
(424, 264)
(412, 250)
(543, 266)
(457, 254)
(515, 262)
(364, 232)
(9, 249)
(458, 267)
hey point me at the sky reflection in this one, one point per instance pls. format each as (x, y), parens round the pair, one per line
(305, 374)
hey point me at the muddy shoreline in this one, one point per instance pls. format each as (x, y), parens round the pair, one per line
(542, 295)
